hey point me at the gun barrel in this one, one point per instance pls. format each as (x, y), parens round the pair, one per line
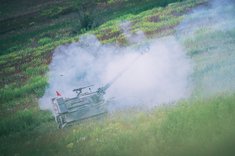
(108, 85)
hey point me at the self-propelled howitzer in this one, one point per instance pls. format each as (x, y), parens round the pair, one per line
(86, 104)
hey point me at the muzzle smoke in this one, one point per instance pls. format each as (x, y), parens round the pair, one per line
(159, 75)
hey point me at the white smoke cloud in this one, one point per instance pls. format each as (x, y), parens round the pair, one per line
(210, 29)
(160, 75)
(216, 15)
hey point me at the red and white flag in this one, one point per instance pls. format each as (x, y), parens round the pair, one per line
(57, 93)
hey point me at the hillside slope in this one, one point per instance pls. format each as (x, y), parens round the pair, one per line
(200, 125)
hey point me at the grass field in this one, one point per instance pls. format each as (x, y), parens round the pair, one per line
(200, 125)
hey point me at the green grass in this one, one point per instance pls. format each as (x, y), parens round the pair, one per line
(201, 125)
(35, 86)
(21, 66)
(214, 69)
(24, 23)
(193, 127)
(23, 121)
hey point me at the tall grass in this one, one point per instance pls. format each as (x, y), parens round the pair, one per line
(192, 127)
(23, 121)
(36, 85)
(198, 126)
(212, 52)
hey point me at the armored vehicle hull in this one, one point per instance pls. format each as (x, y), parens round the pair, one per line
(70, 110)
(85, 105)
